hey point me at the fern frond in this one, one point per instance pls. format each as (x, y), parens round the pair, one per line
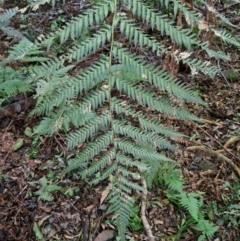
(154, 125)
(138, 37)
(99, 165)
(46, 70)
(207, 229)
(70, 87)
(149, 124)
(131, 185)
(191, 203)
(90, 18)
(191, 17)
(92, 148)
(91, 45)
(139, 151)
(171, 176)
(183, 37)
(89, 130)
(121, 208)
(129, 162)
(160, 79)
(150, 174)
(121, 127)
(203, 66)
(94, 99)
(105, 174)
(147, 98)
(123, 171)
(17, 83)
(6, 16)
(227, 37)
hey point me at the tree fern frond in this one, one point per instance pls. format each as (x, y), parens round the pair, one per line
(150, 173)
(127, 161)
(131, 185)
(91, 17)
(98, 165)
(121, 208)
(17, 83)
(155, 125)
(227, 37)
(139, 151)
(138, 37)
(91, 149)
(147, 98)
(183, 37)
(205, 67)
(91, 45)
(191, 17)
(49, 125)
(22, 51)
(105, 174)
(37, 3)
(69, 88)
(123, 171)
(216, 54)
(160, 79)
(94, 99)
(89, 130)
(46, 70)
(121, 127)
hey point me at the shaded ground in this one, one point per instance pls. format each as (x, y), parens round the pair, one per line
(82, 216)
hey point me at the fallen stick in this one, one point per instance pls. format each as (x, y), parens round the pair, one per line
(231, 141)
(212, 152)
(143, 213)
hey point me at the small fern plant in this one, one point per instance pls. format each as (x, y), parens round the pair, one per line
(112, 110)
(170, 175)
(45, 192)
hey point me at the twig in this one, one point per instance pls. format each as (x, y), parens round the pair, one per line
(143, 213)
(211, 122)
(217, 142)
(218, 63)
(231, 141)
(212, 152)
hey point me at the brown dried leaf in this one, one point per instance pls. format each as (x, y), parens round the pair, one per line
(105, 235)
(104, 194)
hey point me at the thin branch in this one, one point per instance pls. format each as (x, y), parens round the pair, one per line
(216, 153)
(143, 213)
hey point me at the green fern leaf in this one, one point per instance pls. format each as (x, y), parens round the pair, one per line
(191, 203)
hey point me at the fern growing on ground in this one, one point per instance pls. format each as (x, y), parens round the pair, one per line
(104, 107)
(170, 176)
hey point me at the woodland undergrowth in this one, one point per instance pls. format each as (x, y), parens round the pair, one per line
(111, 111)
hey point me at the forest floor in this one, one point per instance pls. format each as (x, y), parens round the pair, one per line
(210, 162)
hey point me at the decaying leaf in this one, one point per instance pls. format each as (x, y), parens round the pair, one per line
(105, 235)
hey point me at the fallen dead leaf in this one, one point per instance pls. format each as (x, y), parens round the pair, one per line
(105, 235)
